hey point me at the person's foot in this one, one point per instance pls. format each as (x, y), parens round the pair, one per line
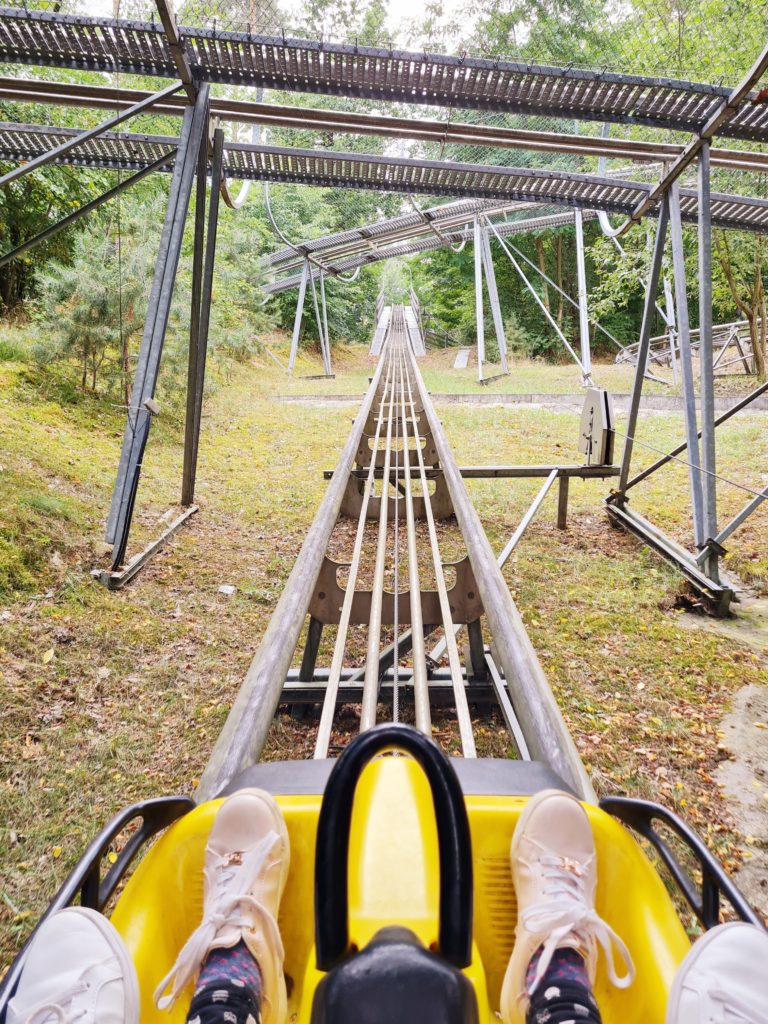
(554, 874)
(77, 968)
(246, 866)
(723, 978)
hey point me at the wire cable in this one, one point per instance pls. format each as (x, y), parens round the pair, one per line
(690, 465)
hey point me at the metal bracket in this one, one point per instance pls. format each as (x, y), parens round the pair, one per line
(352, 502)
(328, 597)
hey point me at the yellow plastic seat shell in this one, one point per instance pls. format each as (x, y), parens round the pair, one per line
(394, 879)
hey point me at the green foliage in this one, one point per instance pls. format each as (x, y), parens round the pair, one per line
(15, 572)
(48, 505)
(91, 307)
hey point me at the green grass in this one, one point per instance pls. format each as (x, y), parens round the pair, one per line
(109, 698)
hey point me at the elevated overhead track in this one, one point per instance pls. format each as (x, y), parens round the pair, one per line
(396, 480)
(133, 151)
(101, 44)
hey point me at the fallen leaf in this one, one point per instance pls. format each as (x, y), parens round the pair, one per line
(49, 655)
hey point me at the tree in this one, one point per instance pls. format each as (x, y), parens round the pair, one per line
(741, 260)
(92, 307)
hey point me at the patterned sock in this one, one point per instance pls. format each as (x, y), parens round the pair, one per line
(228, 989)
(564, 994)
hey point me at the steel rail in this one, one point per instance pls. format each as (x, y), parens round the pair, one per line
(325, 727)
(371, 679)
(545, 731)
(454, 662)
(377, 125)
(420, 682)
(245, 730)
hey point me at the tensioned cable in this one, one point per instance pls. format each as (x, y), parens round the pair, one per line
(690, 465)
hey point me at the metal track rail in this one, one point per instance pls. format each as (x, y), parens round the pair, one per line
(397, 470)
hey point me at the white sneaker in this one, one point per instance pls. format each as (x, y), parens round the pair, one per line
(553, 869)
(246, 867)
(77, 969)
(723, 979)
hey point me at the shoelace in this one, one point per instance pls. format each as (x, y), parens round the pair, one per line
(60, 1010)
(567, 912)
(231, 904)
(734, 1009)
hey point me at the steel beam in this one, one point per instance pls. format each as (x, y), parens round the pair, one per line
(644, 344)
(158, 309)
(198, 257)
(707, 369)
(199, 345)
(686, 363)
(493, 298)
(324, 304)
(236, 111)
(55, 154)
(581, 276)
(298, 317)
(479, 314)
(176, 48)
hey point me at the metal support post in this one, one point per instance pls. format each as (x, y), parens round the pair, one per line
(536, 296)
(311, 647)
(493, 297)
(644, 343)
(193, 135)
(707, 370)
(298, 317)
(669, 305)
(328, 368)
(479, 298)
(320, 327)
(581, 275)
(477, 650)
(198, 255)
(562, 504)
(199, 346)
(686, 361)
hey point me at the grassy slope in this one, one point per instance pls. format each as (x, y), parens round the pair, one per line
(107, 698)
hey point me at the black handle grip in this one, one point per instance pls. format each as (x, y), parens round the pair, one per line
(704, 900)
(454, 844)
